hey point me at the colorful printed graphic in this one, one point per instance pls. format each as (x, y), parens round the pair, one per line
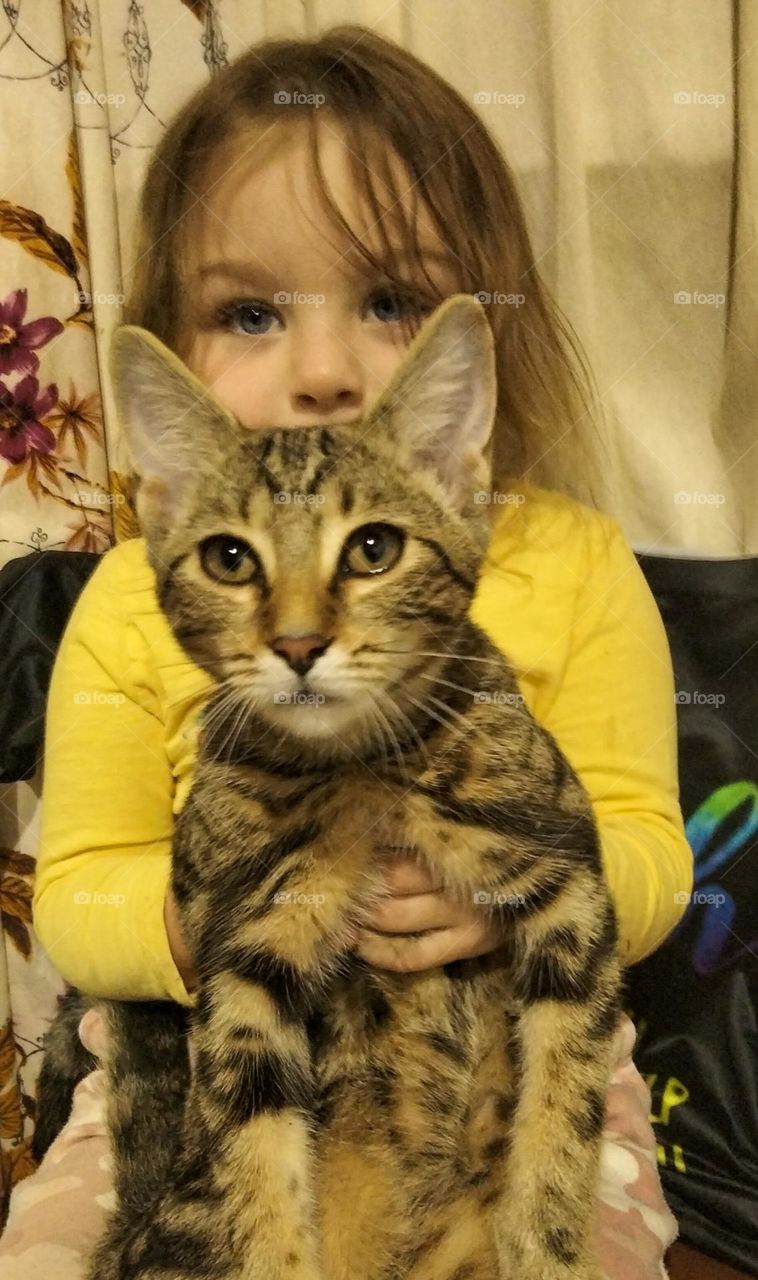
(721, 832)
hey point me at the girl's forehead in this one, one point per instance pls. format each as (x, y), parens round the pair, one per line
(261, 189)
(280, 154)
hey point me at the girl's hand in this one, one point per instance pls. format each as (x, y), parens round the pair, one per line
(178, 943)
(417, 902)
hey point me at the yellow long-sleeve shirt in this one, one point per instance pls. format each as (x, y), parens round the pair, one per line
(561, 595)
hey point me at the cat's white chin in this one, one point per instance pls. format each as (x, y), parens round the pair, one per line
(329, 718)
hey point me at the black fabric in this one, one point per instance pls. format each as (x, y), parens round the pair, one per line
(37, 594)
(695, 1001)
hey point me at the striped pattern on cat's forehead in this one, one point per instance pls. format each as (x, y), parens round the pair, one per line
(302, 460)
(309, 461)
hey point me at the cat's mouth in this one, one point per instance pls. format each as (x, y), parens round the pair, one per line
(307, 695)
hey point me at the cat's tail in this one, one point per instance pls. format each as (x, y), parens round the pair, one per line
(64, 1064)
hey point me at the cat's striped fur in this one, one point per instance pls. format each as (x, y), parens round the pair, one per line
(344, 1122)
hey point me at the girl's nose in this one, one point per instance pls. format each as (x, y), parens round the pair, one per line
(328, 381)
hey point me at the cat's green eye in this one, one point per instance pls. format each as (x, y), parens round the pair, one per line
(373, 548)
(229, 560)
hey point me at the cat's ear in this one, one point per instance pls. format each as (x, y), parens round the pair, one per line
(172, 424)
(439, 406)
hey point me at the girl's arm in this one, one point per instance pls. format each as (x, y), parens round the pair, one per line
(104, 855)
(588, 620)
(614, 716)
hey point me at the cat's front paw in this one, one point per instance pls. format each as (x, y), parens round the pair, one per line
(544, 1270)
(296, 1269)
(535, 1260)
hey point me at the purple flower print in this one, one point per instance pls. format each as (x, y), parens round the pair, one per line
(21, 432)
(17, 339)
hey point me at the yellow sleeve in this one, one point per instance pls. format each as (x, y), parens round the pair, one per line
(614, 716)
(104, 857)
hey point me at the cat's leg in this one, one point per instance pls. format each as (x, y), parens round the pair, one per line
(242, 1199)
(255, 1095)
(526, 850)
(237, 1204)
(565, 982)
(543, 1223)
(564, 991)
(265, 893)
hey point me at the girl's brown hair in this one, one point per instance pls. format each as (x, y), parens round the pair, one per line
(386, 101)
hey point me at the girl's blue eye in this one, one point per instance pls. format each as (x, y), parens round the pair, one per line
(392, 306)
(253, 318)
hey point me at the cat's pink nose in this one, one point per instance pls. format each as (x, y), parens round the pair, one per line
(300, 651)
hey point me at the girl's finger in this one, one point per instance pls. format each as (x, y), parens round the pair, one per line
(414, 912)
(441, 946)
(405, 876)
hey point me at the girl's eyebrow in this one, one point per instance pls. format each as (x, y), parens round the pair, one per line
(255, 272)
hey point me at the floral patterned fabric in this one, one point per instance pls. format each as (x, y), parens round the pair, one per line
(68, 172)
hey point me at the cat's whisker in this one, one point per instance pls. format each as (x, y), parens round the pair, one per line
(433, 653)
(449, 683)
(236, 667)
(422, 747)
(220, 705)
(373, 728)
(379, 731)
(216, 711)
(237, 703)
(470, 727)
(390, 733)
(446, 722)
(457, 715)
(235, 706)
(246, 707)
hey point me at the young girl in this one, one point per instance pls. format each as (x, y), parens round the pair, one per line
(302, 214)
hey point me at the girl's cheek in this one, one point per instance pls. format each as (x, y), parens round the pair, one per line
(380, 356)
(244, 380)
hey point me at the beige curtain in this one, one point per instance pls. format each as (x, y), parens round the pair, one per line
(633, 131)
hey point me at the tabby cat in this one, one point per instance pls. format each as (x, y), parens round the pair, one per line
(343, 1122)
